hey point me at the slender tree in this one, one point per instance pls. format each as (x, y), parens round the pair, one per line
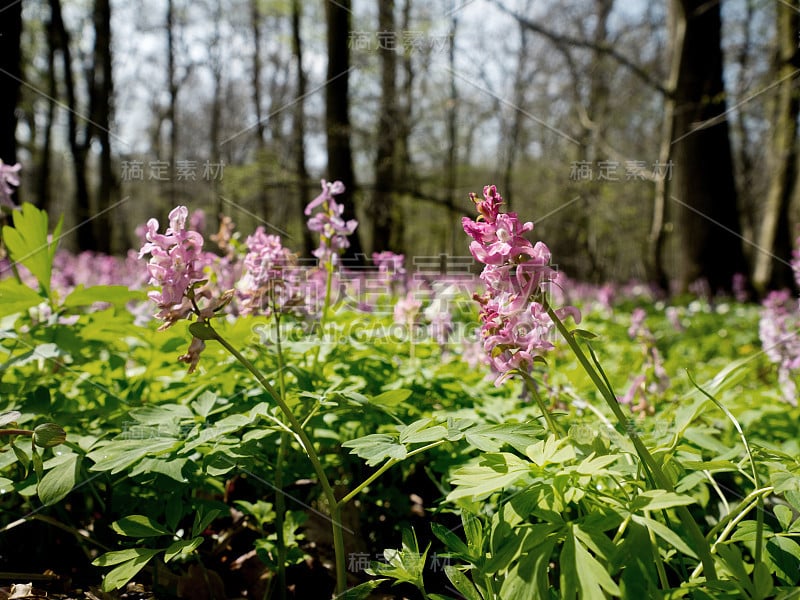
(337, 112)
(774, 236)
(383, 199)
(85, 232)
(299, 125)
(101, 94)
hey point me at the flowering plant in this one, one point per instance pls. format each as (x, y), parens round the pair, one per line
(516, 327)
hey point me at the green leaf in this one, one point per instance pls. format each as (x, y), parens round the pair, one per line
(58, 481)
(419, 432)
(120, 454)
(490, 438)
(362, 591)
(116, 557)
(182, 548)
(583, 334)
(28, 245)
(203, 519)
(783, 557)
(203, 404)
(784, 515)
(659, 499)
(122, 574)
(493, 472)
(37, 463)
(462, 583)
(117, 295)
(579, 565)
(9, 417)
(376, 447)
(138, 526)
(391, 398)
(665, 533)
(452, 542)
(16, 297)
(48, 435)
(550, 451)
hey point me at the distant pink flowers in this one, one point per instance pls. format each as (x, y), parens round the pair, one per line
(777, 328)
(328, 222)
(176, 264)
(9, 175)
(266, 283)
(515, 325)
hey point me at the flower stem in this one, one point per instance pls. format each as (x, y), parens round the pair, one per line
(308, 446)
(280, 501)
(700, 543)
(534, 390)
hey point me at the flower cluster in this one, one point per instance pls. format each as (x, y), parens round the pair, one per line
(267, 283)
(390, 266)
(176, 264)
(9, 175)
(777, 329)
(516, 328)
(328, 222)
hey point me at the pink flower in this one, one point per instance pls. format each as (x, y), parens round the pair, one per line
(390, 265)
(9, 175)
(267, 283)
(406, 309)
(332, 228)
(516, 327)
(176, 263)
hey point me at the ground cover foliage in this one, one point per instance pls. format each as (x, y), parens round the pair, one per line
(433, 474)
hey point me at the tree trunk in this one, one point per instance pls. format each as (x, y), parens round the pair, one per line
(299, 127)
(774, 236)
(337, 117)
(102, 97)
(515, 124)
(656, 240)
(172, 87)
(85, 232)
(451, 161)
(255, 26)
(43, 179)
(10, 62)
(383, 200)
(704, 191)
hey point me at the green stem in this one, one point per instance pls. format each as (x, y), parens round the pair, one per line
(280, 501)
(327, 490)
(551, 424)
(385, 467)
(662, 574)
(692, 529)
(753, 499)
(323, 318)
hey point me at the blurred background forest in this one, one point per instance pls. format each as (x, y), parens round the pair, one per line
(650, 140)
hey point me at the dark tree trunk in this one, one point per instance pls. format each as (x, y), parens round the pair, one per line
(704, 190)
(383, 201)
(261, 194)
(451, 161)
(10, 62)
(102, 97)
(299, 127)
(173, 88)
(85, 233)
(337, 117)
(43, 179)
